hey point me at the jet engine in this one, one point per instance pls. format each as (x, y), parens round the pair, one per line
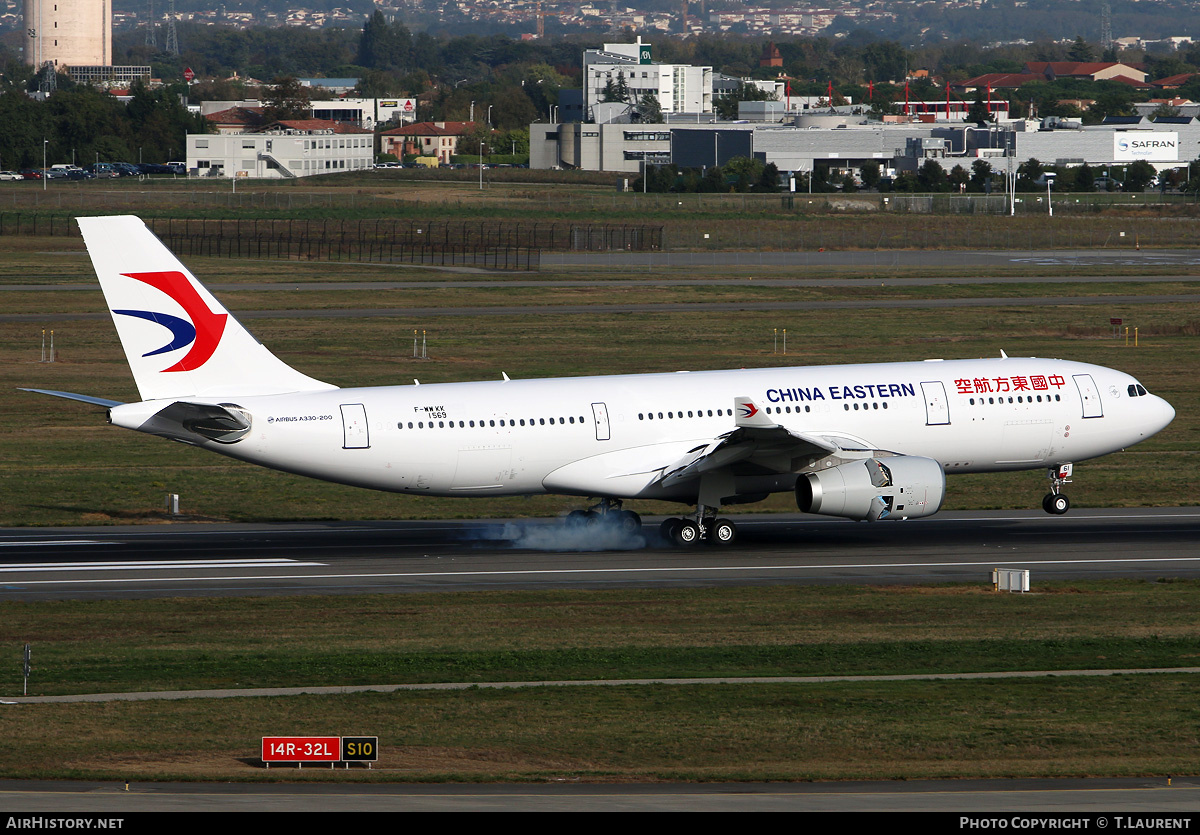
(896, 487)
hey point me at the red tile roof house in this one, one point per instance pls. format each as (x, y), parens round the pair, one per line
(1035, 71)
(426, 139)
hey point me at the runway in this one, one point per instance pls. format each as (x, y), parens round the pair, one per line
(1141, 802)
(430, 556)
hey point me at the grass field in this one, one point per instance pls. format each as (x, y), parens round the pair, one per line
(741, 222)
(871, 730)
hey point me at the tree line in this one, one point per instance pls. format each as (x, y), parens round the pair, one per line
(81, 125)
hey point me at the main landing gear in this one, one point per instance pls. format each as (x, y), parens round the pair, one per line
(1054, 502)
(606, 512)
(703, 527)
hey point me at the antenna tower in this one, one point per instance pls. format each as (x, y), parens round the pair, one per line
(47, 78)
(1106, 38)
(151, 27)
(172, 34)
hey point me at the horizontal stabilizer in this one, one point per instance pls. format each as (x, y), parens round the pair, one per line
(82, 398)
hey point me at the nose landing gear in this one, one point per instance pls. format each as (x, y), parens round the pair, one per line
(1055, 502)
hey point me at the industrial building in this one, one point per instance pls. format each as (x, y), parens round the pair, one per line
(1167, 142)
(363, 113)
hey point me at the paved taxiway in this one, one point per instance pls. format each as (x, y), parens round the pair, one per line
(395, 557)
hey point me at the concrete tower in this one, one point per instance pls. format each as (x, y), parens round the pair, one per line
(68, 33)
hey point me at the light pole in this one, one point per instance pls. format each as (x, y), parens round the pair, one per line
(45, 175)
(481, 165)
(489, 119)
(472, 119)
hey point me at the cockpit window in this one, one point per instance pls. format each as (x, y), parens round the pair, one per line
(1137, 390)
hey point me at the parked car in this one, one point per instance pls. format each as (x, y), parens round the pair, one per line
(80, 174)
(177, 167)
(126, 169)
(10, 175)
(31, 173)
(103, 170)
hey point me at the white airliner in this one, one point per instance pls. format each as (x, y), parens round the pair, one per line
(865, 442)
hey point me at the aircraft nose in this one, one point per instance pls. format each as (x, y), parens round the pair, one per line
(1167, 413)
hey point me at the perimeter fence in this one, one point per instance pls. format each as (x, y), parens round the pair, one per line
(505, 245)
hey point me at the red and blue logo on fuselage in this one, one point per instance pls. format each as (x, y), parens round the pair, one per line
(204, 330)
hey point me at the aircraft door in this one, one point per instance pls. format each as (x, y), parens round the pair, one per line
(354, 426)
(937, 407)
(1089, 395)
(600, 413)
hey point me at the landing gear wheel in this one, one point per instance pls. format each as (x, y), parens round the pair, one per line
(669, 529)
(688, 533)
(1056, 504)
(627, 521)
(722, 532)
(577, 518)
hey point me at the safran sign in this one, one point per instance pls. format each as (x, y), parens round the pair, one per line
(1151, 146)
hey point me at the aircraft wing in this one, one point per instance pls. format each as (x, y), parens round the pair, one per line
(756, 440)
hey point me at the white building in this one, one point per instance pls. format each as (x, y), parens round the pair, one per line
(679, 88)
(282, 150)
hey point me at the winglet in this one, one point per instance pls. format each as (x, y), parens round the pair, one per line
(747, 413)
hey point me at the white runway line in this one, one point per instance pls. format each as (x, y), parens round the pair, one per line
(34, 543)
(133, 565)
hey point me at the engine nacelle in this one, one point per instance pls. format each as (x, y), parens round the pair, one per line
(898, 487)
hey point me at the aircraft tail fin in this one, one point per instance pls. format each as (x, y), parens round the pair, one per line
(153, 297)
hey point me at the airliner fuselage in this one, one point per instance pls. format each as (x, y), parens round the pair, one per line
(612, 436)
